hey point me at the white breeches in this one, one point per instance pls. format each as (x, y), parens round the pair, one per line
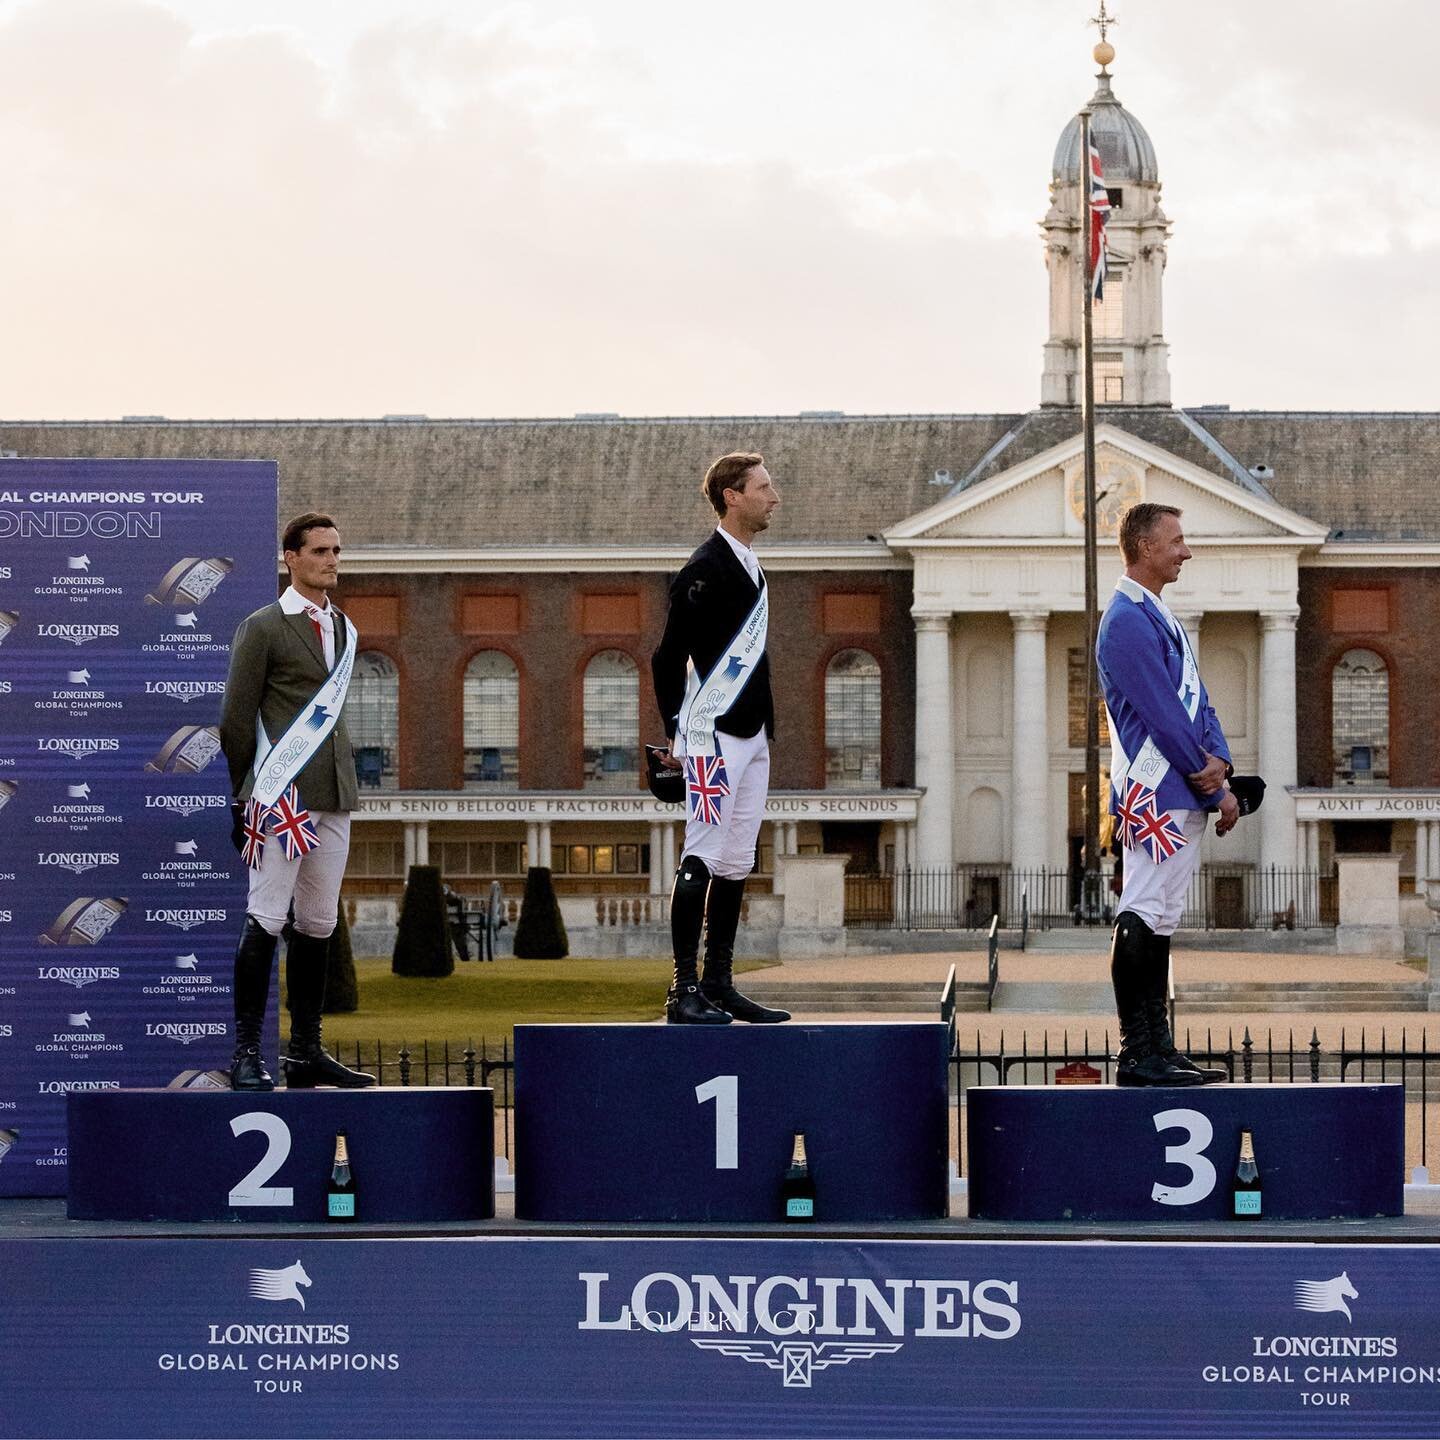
(728, 849)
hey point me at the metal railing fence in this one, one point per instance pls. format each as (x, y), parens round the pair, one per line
(966, 897)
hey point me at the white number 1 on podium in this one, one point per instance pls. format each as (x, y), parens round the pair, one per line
(724, 1090)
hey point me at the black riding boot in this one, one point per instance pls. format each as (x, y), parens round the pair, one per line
(307, 1063)
(1130, 965)
(254, 957)
(685, 1004)
(722, 919)
(1157, 1009)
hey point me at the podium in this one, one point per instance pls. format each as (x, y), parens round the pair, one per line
(695, 1123)
(422, 1154)
(1037, 1152)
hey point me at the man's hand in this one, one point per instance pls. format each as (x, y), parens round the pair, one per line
(667, 759)
(1212, 777)
(1229, 814)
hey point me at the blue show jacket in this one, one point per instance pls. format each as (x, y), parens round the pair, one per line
(1141, 667)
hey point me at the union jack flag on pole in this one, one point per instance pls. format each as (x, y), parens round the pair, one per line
(706, 785)
(1099, 216)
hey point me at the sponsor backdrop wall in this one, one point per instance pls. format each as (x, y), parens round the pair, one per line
(121, 583)
(664, 1337)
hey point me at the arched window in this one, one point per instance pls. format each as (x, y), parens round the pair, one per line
(492, 722)
(1360, 719)
(612, 722)
(852, 721)
(372, 715)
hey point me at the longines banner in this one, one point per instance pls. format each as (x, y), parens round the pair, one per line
(659, 1337)
(121, 583)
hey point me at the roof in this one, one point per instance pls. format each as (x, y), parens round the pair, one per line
(1126, 152)
(468, 484)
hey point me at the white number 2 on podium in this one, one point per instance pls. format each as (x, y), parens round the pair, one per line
(253, 1190)
(1198, 1134)
(724, 1090)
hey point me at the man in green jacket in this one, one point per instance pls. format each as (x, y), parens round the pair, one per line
(293, 772)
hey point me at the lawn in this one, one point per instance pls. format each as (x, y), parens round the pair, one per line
(486, 1001)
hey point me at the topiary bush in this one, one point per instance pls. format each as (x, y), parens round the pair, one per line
(342, 990)
(540, 930)
(422, 942)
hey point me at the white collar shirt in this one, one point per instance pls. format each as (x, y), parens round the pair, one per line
(743, 553)
(292, 602)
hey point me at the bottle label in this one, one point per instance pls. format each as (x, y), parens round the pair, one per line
(1247, 1202)
(342, 1207)
(800, 1209)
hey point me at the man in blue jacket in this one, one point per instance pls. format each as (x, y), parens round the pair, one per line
(1170, 767)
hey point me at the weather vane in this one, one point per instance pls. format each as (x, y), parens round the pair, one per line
(1104, 52)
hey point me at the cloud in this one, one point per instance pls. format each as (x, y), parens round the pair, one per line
(527, 213)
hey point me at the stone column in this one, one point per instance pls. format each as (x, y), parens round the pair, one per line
(532, 843)
(934, 740)
(410, 859)
(1277, 737)
(1190, 621)
(669, 854)
(657, 858)
(544, 844)
(1029, 745)
(422, 843)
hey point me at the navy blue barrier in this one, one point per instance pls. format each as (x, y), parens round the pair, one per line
(418, 1154)
(654, 1122)
(311, 1336)
(1098, 1152)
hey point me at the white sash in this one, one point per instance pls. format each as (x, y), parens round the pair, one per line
(1149, 766)
(276, 766)
(706, 701)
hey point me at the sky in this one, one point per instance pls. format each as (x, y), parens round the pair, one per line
(305, 208)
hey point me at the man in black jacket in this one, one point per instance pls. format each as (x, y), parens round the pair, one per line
(712, 682)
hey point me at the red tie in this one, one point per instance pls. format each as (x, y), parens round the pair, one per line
(319, 629)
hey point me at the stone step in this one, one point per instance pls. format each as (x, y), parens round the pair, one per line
(1081, 940)
(860, 995)
(1054, 997)
(1321, 996)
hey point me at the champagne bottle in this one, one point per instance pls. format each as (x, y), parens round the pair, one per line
(797, 1189)
(340, 1195)
(1245, 1188)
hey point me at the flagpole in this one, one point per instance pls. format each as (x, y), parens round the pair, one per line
(1090, 892)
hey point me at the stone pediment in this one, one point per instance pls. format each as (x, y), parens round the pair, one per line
(1040, 501)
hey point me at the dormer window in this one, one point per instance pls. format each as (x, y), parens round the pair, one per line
(1117, 197)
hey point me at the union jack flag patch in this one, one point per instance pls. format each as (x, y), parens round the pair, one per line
(252, 846)
(1142, 824)
(706, 784)
(293, 826)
